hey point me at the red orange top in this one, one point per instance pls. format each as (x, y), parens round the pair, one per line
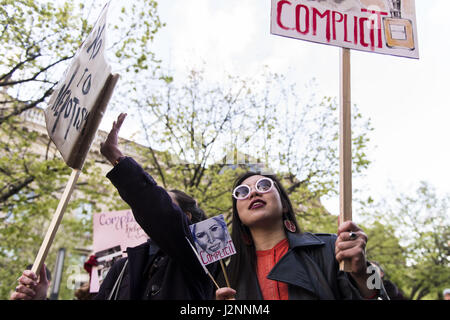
(266, 260)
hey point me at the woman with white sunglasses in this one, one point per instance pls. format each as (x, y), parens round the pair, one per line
(276, 261)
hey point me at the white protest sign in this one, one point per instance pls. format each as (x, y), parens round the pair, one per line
(212, 240)
(113, 233)
(74, 113)
(117, 228)
(380, 26)
(77, 105)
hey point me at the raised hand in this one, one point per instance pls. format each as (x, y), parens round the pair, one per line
(110, 148)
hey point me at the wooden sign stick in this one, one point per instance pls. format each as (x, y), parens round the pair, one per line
(225, 273)
(57, 217)
(345, 146)
(201, 263)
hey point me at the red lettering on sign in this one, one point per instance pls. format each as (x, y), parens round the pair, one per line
(332, 25)
(298, 16)
(326, 15)
(341, 18)
(377, 25)
(279, 11)
(361, 32)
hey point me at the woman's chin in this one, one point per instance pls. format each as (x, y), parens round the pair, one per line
(265, 222)
(261, 215)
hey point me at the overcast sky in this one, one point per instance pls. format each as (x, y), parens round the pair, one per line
(407, 100)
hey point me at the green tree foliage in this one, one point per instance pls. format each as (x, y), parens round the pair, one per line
(38, 40)
(411, 241)
(423, 224)
(40, 37)
(264, 123)
(384, 248)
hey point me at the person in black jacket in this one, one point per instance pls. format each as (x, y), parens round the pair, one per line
(276, 261)
(165, 267)
(146, 272)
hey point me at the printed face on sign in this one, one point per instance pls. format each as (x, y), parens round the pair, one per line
(212, 240)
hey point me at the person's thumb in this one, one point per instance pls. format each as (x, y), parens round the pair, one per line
(43, 274)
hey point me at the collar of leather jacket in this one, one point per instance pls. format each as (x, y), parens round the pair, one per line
(308, 268)
(296, 267)
(305, 239)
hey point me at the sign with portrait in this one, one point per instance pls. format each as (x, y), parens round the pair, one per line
(212, 239)
(380, 26)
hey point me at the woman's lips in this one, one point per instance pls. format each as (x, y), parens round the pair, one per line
(215, 247)
(255, 204)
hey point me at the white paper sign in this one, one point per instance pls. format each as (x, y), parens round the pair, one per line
(380, 26)
(116, 228)
(70, 115)
(113, 233)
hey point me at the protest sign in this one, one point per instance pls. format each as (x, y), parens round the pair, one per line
(380, 26)
(74, 112)
(113, 233)
(213, 242)
(117, 228)
(212, 239)
(76, 107)
(105, 260)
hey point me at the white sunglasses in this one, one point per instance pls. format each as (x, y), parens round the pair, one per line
(242, 191)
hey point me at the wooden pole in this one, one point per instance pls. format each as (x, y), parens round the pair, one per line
(212, 279)
(57, 217)
(201, 263)
(225, 273)
(345, 145)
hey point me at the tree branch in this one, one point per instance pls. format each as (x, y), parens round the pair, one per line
(14, 189)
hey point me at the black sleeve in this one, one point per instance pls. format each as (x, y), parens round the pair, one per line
(163, 221)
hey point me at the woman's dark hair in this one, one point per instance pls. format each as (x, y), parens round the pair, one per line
(245, 256)
(188, 204)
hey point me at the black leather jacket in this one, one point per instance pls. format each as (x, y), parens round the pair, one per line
(164, 268)
(309, 268)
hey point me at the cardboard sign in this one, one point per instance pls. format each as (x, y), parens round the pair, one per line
(117, 228)
(212, 239)
(114, 232)
(105, 260)
(380, 26)
(72, 115)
